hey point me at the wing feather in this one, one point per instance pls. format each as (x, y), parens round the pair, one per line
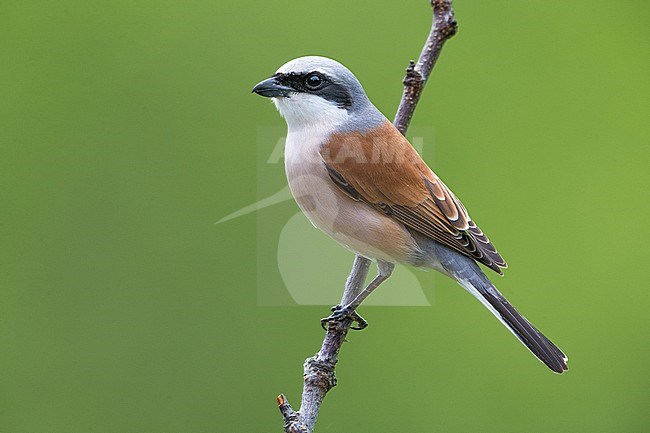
(381, 168)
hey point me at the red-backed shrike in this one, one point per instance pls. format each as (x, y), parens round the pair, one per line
(357, 178)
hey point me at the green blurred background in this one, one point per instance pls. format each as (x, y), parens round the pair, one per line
(128, 129)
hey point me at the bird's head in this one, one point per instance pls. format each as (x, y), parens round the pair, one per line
(314, 90)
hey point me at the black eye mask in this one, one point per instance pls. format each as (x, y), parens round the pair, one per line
(327, 88)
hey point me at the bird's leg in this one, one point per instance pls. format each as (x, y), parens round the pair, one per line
(340, 312)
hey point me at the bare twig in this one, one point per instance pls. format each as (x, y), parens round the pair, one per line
(292, 422)
(319, 376)
(444, 27)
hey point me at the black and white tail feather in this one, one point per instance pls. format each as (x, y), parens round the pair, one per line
(531, 337)
(468, 274)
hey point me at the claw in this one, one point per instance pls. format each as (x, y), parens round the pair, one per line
(323, 323)
(361, 322)
(339, 313)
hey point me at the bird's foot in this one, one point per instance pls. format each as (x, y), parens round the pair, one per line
(340, 313)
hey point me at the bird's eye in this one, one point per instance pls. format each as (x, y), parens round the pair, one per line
(313, 81)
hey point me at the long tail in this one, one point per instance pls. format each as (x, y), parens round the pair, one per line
(469, 275)
(533, 339)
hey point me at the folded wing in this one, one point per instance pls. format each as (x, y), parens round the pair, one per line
(381, 168)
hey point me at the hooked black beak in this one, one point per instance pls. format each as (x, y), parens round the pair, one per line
(272, 89)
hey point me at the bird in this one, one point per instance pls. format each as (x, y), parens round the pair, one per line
(359, 180)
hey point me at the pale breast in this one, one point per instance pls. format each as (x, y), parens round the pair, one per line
(356, 225)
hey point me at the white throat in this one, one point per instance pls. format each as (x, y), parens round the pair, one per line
(311, 120)
(305, 111)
